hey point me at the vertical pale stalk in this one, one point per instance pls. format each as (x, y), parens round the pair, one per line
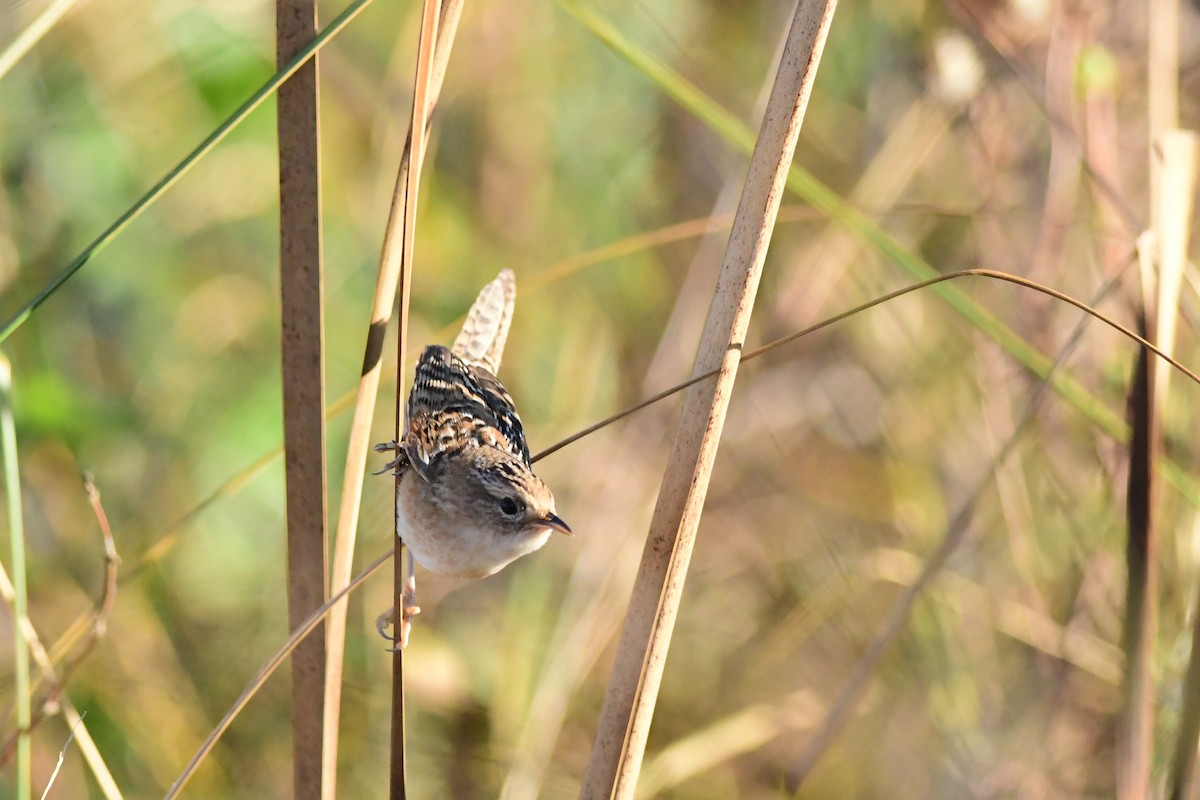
(1177, 152)
(1136, 729)
(1178, 184)
(422, 84)
(303, 350)
(628, 709)
(16, 536)
(1159, 297)
(364, 410)
(1162, 85)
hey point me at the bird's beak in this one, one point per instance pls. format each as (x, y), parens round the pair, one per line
(557, 523)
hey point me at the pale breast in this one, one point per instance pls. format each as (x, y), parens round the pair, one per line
(462, 550)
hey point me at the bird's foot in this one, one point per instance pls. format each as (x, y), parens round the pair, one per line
(396, 464)
(388, 618)
(409, 609)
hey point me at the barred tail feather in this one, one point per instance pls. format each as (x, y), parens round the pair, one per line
(486, 329)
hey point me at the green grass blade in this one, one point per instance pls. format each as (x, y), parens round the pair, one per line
(168, 180)
(16, 536)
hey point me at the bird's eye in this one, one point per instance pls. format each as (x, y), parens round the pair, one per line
(511, 506)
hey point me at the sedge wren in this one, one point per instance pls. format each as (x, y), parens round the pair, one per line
(468, 503)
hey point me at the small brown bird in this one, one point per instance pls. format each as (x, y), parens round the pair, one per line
(468, 502)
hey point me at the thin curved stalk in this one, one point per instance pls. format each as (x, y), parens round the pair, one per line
(1184, 482)
(298, 635)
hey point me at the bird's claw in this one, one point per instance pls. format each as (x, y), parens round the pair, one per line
(397, 463)
(410, 610)
(388, 618)
(383, 621)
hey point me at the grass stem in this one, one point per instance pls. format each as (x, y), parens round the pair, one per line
(16, 540)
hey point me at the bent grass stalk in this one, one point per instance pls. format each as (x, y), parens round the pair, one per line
(298, 635)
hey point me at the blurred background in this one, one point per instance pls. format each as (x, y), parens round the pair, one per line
(1004, 134)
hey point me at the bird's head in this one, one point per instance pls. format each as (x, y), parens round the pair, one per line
(498, 490)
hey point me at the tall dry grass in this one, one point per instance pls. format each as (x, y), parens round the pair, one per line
(909, 572)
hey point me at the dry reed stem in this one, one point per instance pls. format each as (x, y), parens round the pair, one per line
(398, 732)
(402, 566)
(1162, 79)
(1177, 152)
(1137, 723)
(629, 702)
(303, 352)
(1178, 186)
(1148, 395)
(358, 445)
(1136, 728)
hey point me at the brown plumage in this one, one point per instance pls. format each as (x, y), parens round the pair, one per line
(469, 503)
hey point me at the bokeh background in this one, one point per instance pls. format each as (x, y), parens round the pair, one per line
(960, 128)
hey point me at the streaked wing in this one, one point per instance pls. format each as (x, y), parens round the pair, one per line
(504, 412)
(454, 404)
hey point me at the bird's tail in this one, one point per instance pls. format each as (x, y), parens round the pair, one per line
(482, 338)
